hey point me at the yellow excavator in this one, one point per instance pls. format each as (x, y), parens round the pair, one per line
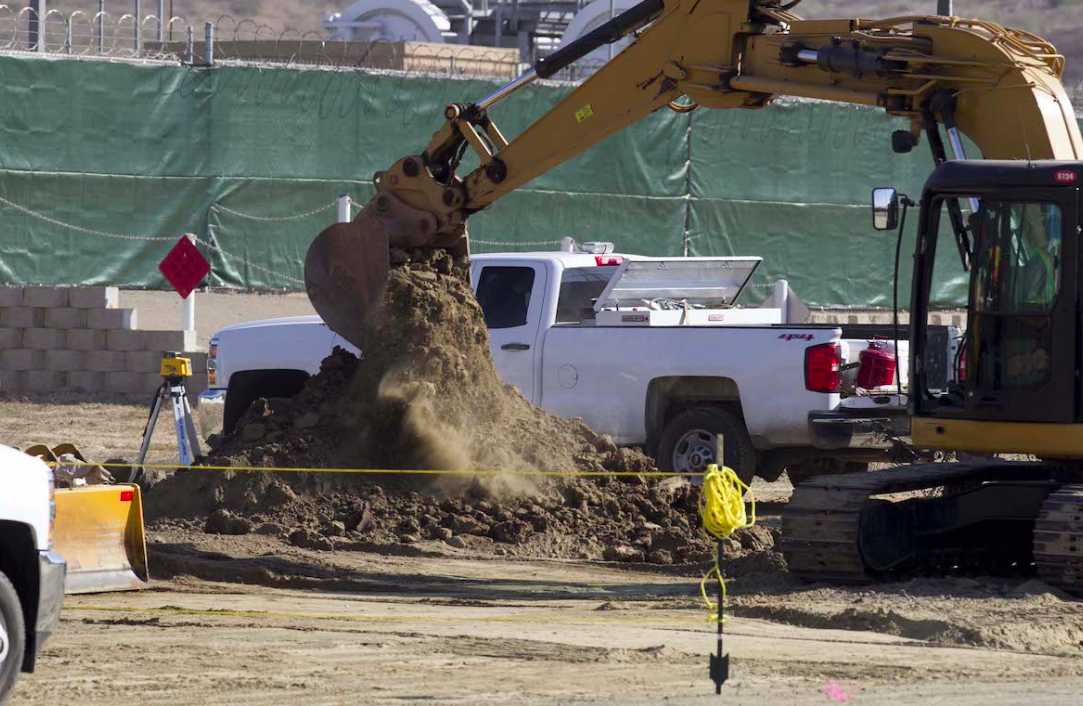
(1012, 218)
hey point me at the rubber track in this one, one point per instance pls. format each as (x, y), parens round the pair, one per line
(820, 524)
(1058, 539)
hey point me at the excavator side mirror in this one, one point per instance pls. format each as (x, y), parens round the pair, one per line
(885, 209)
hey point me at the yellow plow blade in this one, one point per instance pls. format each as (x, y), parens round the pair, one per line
(99, 530)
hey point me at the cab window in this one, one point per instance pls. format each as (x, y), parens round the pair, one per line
(504, 295)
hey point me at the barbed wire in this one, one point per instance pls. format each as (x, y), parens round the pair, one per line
(276, 219)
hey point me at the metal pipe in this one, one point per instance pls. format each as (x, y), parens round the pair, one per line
(138, 28)
(161, 14)
(208, 39)
(957, 149)
(612, 14)
(809, 56)
(756, 84)
(101, 26)
(344, 214)
(37, 25)
(506, 90)
(189, 48)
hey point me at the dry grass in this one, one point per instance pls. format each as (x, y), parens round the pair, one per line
(101, 430)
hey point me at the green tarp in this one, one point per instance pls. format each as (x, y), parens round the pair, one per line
(234, 154)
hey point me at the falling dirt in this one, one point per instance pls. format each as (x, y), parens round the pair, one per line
(426, 395)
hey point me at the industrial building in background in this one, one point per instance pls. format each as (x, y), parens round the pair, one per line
(534, 28)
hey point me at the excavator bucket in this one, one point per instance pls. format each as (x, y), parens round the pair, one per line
(99, 531)
(346, 274)
(347, 264)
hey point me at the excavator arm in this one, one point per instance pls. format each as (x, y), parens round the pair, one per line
(999, 87)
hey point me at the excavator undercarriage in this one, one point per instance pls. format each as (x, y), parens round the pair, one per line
(996, 517)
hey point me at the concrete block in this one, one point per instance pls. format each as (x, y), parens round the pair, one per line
(44, 381)
(85, 339)
(65, 361)
(143, 362)
(11, 296)
(45, 296)
(105, 361)
(44, 339)
(11, 382)
(65, 318)
(86, 381)
(108, 319)
(11, 338)
(94, 297)
(22, 359)
(22, 317)
(123, 340)
(124, 382)
(162, 341)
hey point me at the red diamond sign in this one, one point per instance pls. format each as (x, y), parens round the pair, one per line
(184, 267)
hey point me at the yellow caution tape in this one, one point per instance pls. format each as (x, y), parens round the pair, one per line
(722, 509)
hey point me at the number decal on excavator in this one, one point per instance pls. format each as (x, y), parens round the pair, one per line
(583, 113)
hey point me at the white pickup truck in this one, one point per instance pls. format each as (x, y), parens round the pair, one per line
(652, 351)
(31, 575)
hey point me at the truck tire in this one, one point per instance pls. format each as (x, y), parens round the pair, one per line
(12, 637)
(248, 386)
(687, 443)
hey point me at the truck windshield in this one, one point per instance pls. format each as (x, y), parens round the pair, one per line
(579, 288)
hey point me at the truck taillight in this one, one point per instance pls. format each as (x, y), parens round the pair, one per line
(822, 366)
(604, 260)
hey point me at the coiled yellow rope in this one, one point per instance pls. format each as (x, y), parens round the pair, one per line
(722, 509)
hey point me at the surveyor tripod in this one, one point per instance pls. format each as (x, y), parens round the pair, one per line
(172, 391)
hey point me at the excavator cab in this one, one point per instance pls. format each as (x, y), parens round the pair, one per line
(1020, 361)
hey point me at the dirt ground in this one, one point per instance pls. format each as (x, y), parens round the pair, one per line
(251, 619)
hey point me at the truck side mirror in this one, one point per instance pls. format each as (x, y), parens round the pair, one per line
(885, 209)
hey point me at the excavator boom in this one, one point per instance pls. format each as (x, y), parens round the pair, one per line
(999, 87)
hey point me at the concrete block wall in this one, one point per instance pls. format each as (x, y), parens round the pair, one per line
(883, 318)
(54, 339)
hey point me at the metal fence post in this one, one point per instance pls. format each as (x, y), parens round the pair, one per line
(67, 36)
(344, 215)
(208, 39)
(161, 14)
(101, 26)
(189, 48)
(138, 29)
(36, 30)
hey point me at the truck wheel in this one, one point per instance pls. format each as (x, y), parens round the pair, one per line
(12, 637)
(687, 444)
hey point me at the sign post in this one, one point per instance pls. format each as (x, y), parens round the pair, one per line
(184, 268)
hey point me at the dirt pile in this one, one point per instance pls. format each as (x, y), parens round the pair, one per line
(426, 396)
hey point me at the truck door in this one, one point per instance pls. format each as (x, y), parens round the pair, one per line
(511, 295)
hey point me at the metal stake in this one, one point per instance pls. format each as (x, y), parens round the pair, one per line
(161, 13)
(138, 37)
(720, 661)
(101, 26)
